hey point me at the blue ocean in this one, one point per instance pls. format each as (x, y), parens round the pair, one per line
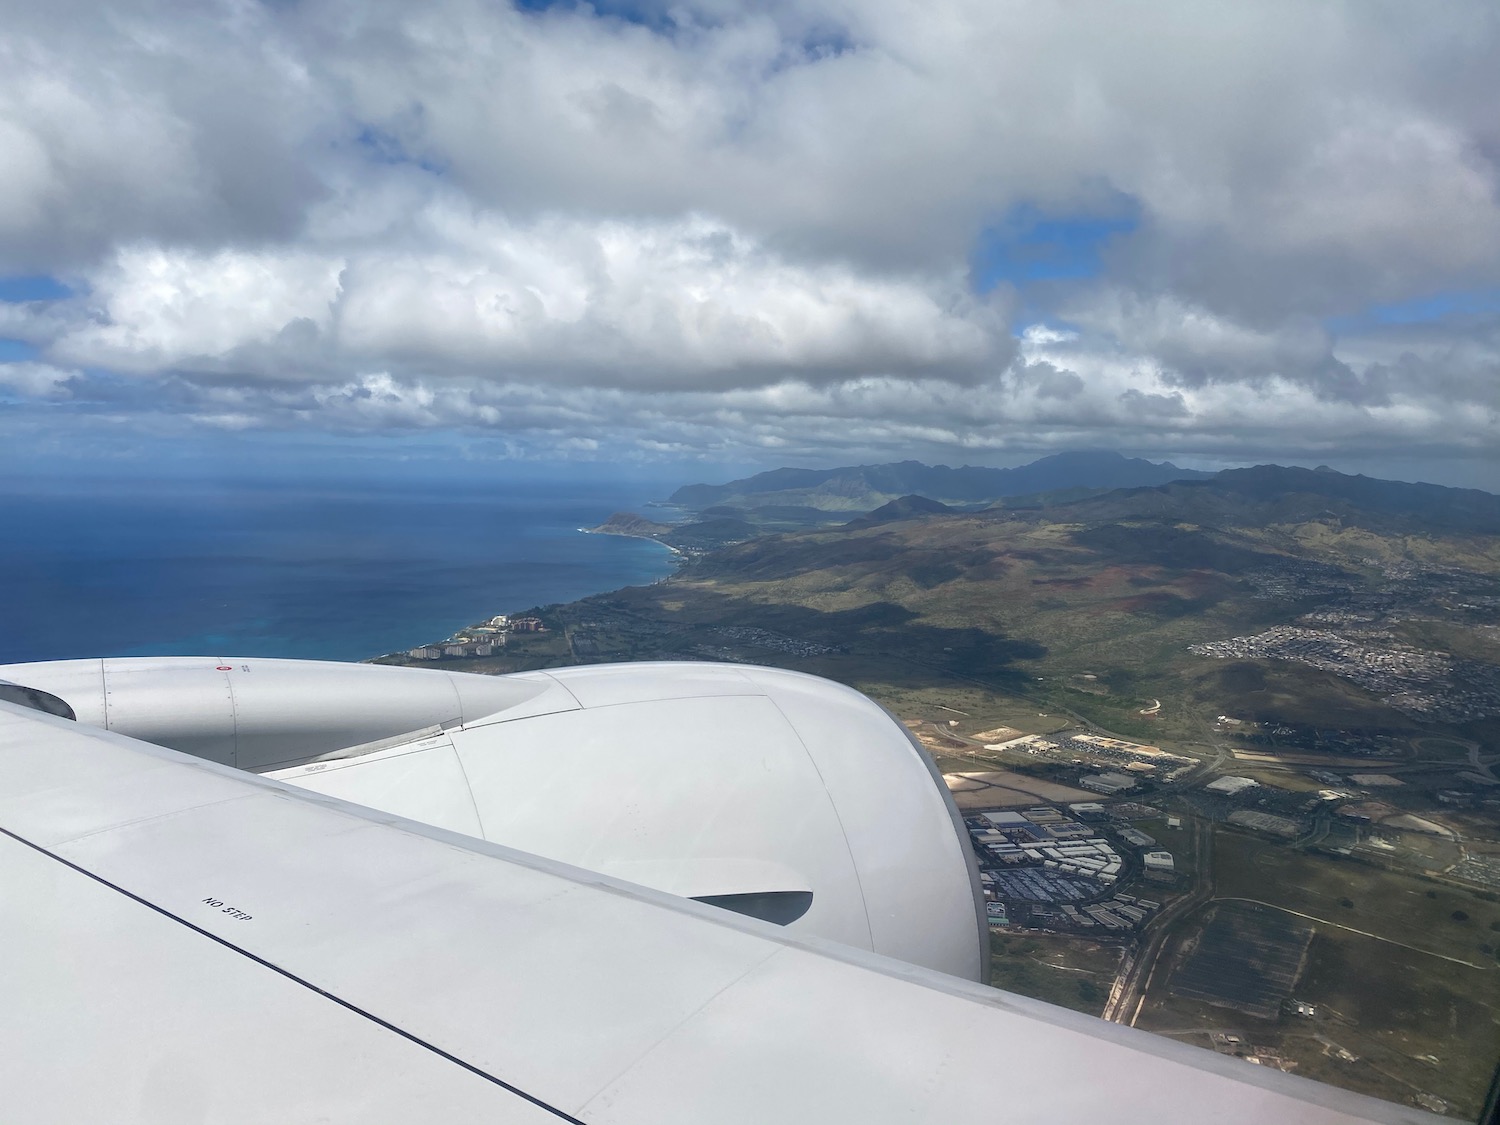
(337, 573)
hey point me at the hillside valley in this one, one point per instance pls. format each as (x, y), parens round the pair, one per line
(1276, 595)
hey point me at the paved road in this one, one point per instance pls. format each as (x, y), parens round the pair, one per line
(1322, 824)
(1138, 971)
(1479, 767)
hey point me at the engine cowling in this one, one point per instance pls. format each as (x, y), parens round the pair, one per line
(772, 793)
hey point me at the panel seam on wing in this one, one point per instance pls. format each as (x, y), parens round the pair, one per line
(559, 683)
(468, 788)
(864, 903)
(458, 698)
(687, 1018)
(165, 814)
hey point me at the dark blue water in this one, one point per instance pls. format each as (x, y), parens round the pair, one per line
(337, 575)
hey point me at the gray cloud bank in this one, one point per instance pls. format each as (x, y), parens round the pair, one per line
(750, 229)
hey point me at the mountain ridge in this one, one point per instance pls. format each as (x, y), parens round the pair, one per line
(1278, 494)
(857, 489)
(904, 508)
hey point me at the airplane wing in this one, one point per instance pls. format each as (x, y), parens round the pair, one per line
(181, 941)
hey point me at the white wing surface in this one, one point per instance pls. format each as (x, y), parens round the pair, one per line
(774, 793)
(185, 942)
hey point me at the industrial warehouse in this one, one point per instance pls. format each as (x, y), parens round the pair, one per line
(1045, 868)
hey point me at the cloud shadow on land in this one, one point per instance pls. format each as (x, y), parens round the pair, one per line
(877, 640)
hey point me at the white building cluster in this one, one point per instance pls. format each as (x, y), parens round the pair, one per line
(1092, 856)
(1231, 785)
(1109, 783)
(478, 640)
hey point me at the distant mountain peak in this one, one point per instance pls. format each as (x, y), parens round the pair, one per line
(1278, 494)
(864, 488)
(903, 508)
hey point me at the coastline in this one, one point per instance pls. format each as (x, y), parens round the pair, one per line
(633, 535)
(453, 638)
(305, 574)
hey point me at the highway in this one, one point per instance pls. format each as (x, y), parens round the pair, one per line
(1138, 970)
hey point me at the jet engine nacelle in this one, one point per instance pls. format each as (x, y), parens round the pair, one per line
(260, 714)
(771, 793)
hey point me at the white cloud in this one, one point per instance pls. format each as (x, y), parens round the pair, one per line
(605, 302)
(750, 226)
(35, 380)
(152, 309)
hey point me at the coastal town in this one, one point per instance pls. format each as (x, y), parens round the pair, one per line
(485, 639)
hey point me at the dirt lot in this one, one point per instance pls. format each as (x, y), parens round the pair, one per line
(1002, 789)
(1247, 958)
(1074, 972)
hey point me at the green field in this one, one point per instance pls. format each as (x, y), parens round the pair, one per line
(1387, 1006)
(1401, 968)
(1072, 972)
(1398, 907)
(1390, 1007)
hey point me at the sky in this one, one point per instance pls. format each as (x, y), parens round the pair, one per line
(695, 239)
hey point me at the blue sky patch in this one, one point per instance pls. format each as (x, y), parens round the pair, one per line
(15, 351)
(826, 43)
(384, 147)
(1420, 310)
(35, 288)
(1028, 246)
(652, 16)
